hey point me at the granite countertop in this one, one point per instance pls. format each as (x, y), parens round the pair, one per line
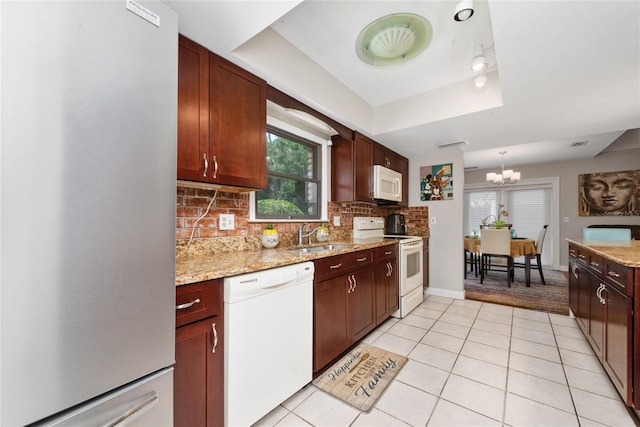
(623, 252)
(200, 267)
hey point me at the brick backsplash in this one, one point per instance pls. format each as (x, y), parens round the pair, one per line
(191, 203)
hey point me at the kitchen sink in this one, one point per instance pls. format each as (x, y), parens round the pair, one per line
(320, 248)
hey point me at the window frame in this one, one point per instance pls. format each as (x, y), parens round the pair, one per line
(321, 146)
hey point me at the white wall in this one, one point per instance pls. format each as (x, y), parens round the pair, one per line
(446, 266)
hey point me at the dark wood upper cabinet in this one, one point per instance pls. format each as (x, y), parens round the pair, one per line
(193, 110)
(222, 120)
(238, 125)
(352, 168)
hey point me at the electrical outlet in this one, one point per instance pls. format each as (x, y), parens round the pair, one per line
(226, 222)
(336, 221)
(433, 220)
(566, 219)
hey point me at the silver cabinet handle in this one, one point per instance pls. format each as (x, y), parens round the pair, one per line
(390, 269)
(215, 167)
(594, 264)
(355, 282)
(350, 285)
(581, 256)
(206, 165)
(603, 301)
(147, 401)
(613, 274)
(388, 253)
(188, 304)
(599, 293)
(333, 267)
(573, 270)
(215, 338)
(362, 259)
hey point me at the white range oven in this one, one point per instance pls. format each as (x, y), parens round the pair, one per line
(409, 260)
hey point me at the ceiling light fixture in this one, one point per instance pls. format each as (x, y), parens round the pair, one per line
(480, 80)
(464, 10)
(393, 39)
(508, 176)
(479, 61)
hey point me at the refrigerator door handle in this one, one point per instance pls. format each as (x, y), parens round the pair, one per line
(147, 402)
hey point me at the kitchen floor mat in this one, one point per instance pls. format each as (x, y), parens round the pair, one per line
(361, 376)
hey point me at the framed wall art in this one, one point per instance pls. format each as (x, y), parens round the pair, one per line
(436, 182)
(609, 194)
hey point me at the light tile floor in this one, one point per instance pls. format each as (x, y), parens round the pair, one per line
(475, 364)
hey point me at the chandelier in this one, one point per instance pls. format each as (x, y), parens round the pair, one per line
(508, 176)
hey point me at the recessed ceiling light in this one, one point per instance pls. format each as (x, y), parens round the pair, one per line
(393, 39)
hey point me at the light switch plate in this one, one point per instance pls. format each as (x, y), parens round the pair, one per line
(226, 222)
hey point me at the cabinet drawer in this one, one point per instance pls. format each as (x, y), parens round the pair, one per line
(198, 301)
(385, 252)
(339, 264)
(619, 275)
(595, 262)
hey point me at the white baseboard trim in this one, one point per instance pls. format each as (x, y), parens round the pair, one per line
(429, 290)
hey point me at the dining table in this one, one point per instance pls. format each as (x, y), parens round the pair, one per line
(519, 247)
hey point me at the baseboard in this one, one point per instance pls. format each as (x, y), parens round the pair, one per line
(439, 292)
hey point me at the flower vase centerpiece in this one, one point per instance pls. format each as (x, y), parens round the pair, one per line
(499, 223)
(270, 237)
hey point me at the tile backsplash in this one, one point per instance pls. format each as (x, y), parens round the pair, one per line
(191, 203)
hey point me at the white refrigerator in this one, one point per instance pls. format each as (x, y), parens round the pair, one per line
(87, 211)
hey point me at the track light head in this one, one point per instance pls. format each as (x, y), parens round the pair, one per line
(464, 10)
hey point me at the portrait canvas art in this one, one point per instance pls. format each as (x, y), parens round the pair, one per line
(609, 194)
(436, 182)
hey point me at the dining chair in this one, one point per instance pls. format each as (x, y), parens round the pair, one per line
(539, 241)
(495, 243)
(471, 260)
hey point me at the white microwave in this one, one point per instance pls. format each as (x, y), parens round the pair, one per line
(387, 184)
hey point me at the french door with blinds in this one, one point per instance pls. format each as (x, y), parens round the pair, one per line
(530, 207)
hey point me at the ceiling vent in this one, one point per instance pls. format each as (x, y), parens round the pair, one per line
(579, 144)
(452, 144)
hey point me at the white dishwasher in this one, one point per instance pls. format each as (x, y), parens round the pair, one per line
(268, 348)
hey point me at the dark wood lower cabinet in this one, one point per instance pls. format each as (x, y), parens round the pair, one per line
(198, 377)
(601, 295)
(199, 370)
(344, 304)
(386, 282)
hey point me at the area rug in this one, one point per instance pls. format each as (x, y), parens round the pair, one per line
(360, 377)
(552, 297)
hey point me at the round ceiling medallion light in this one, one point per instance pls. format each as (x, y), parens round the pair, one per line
(393, 39)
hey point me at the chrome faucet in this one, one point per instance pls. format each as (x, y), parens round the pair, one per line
(302, 235)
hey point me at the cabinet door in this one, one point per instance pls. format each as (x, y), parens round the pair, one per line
(618, 339)
(363, 163)
(193, 111)
(574, 288)
(361, 313)
(238, 125)
(597, 313)
(330, 329)
(383, 156)
(393, 287)
(402, 166)
(584, 298)
(199, 374)
(380, 273)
